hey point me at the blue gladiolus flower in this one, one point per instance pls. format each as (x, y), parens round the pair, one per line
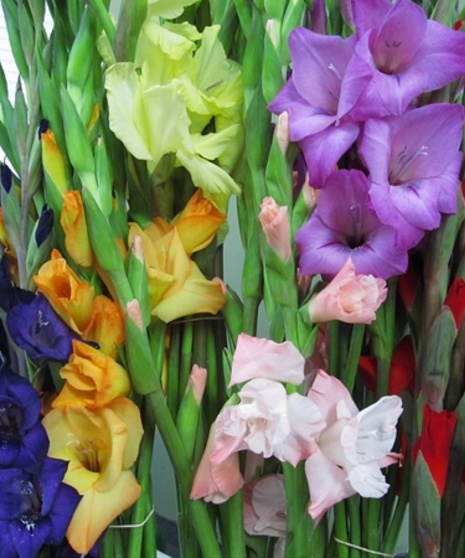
(35, 509)
(35, 327)
(23, 439)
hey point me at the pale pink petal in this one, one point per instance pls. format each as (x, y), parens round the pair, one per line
(327, 392)
(197, 382)
(306, 423)
(276, 227)
(258, 423)
(349, 298)
(216, 482)
(367, 480)
(261, 358)
(267, 500)
(328, 484)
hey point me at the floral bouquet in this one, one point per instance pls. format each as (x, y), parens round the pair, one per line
(318, 411)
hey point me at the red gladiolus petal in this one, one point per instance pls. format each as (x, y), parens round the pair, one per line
(455, 300)
(435, 442)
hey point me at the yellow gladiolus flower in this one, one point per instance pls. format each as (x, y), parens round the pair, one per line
(100, 445)
(198, 223)
(70, 297)
(177, 287)
(105, 326)
(93, 379)
(73, 221)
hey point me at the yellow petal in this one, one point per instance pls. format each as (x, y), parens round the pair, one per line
(74, 225)
(97, 510)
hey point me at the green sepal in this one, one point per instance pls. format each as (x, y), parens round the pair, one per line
(232, 312)
(80, 57)
(104, 175)
(300, 213)
(10, 11)
(187, 421)
(279, 176)
(139, 358)
(137, 277)
(26, 32)
(20, 119)
(426, 508)
(82, 158)
(275, 8)
(36, 255)
(293, 18)
(131, 18)
(272, 75)
(105, 248)
(434, 358)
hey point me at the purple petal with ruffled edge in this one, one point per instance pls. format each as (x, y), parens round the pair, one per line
(414, 162)
(29, 536)
(343, 225)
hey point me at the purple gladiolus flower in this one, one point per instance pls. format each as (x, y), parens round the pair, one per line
(35, 509)
(414, 165)
(344, 225)
(23, 439)
(35, 327)
(318, 120)
(403, 52)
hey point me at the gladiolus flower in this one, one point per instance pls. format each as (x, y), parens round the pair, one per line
(35, 509)
(35, 327)
(262, 358)
(275, 225)
(350, 452)
(435, 443)
(267, 421)
(216, 482)
(93, 379)
(176, 285)
(74, 225)
(197, 223)
(70, 297)
(23, 440)
(105, 326)
(100, 445)
(344, 225)
(349, 298)
(265, 507)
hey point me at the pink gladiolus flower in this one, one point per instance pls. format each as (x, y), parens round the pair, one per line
(267, 421)
(265, 507)
(349, 298)
(352, 449)
(216, 482)
(261, 358)
(275, 225)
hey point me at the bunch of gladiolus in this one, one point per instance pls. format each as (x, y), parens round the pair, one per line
(301, 415)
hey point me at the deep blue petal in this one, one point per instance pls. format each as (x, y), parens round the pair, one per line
(51, 476)
(34, 447)
(60, 516)
(35, 327)
(29, 534)
(6, 543)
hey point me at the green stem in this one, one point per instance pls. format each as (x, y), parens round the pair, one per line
(172, 381)
(353, 507)
(372, 526)
(232, 520)
(160, 414)
(341, 534)
(351, 368)
(333, 347)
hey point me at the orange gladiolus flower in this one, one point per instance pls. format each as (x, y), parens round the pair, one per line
(73, 221)
(100, 445)
(8, 248)
(70, 297)
(105, 326)
(92, 379)
(177, 287)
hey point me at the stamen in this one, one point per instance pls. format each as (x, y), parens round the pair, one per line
(403, 163)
